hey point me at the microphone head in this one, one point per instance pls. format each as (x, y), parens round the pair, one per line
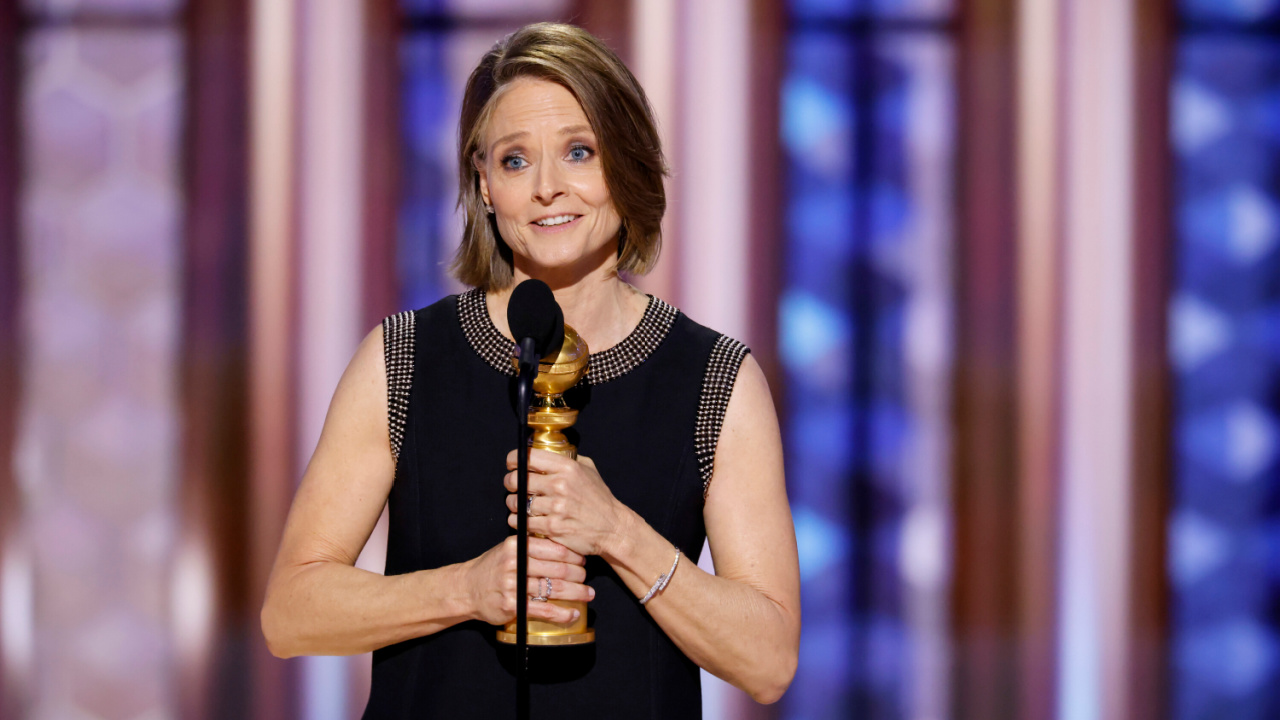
(534, 313)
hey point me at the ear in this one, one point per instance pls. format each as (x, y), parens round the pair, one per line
(483, 174)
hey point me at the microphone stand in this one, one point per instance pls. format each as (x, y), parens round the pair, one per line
(524, 396)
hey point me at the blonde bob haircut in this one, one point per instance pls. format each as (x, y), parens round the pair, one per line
(620, 116)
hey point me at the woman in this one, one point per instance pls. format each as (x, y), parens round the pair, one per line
(561, 178)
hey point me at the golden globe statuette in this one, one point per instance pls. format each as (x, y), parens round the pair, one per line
(550, 416)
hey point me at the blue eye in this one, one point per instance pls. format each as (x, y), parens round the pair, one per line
(578, 153)
(514, 162)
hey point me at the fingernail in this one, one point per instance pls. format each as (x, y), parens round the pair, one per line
(576, 614)
(591, 593)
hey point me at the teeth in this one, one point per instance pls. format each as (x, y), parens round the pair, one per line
(557, 220)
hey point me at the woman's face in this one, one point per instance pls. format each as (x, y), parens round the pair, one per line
(543, 176)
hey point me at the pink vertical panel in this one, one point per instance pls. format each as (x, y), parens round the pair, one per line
(98, 425)
(655, 42)
(272, 352)
(714, 173)
(1098, 386)
(1041, 102)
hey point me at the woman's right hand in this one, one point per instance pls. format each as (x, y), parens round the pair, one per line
(491, 580)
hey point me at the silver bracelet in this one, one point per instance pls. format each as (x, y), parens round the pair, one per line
(662, 581)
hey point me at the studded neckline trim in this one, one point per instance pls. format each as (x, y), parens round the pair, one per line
(611, 364)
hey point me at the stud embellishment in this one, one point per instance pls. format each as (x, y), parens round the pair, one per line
(717, 385)
(397, 349)
(606, 365)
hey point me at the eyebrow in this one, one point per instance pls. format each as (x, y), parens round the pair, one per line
(571, 130)
(509, 138)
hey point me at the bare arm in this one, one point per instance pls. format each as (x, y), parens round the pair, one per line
(743, 623)
(318, 602)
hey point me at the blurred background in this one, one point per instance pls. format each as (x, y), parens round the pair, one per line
(1011, 267)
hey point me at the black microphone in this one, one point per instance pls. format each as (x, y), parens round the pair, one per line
(537, 324)
(533, 313)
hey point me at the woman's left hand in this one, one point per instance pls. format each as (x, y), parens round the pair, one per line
(571, 503)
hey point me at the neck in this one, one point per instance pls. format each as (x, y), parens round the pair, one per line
(598, 304)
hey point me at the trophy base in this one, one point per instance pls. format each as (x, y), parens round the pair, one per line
(582, 638)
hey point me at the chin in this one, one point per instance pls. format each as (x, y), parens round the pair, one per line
(555, 262)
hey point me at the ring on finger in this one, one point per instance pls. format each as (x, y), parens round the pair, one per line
(541, 597)
(528, 505)
(548, 592)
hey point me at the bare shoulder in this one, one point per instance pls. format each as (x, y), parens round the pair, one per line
(363, 386)
(751, 403)
(749, 449)
(747, 515)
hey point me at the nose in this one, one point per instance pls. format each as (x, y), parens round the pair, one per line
(548, 185)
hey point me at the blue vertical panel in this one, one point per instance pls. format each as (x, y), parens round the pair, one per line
(1224, 527)
(838, 10)
(434, 7)
(816, 328)
(856, 143)
(506, 11)
(1234, 11)
(429, 120)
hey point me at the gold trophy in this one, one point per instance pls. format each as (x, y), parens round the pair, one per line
(550, 416)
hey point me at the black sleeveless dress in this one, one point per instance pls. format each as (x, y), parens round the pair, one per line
(650, 415)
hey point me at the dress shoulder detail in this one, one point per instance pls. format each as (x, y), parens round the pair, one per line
(726, 358)
(398, 350)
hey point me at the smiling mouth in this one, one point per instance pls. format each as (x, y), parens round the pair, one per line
(557, 220)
